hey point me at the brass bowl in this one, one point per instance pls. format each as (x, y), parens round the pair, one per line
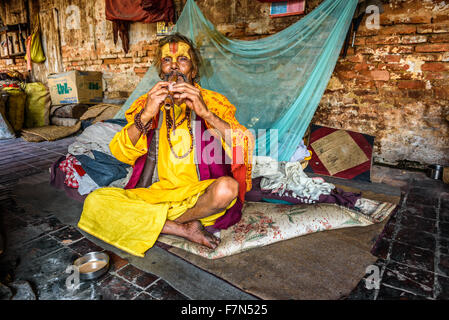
(92, 265)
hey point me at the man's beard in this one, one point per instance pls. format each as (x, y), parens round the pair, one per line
(178, 74)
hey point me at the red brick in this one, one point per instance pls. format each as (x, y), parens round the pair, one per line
(111, 61)
(383, 40)
(398, 29)
(355, 58)
(428, 56)
(361, 67)
(433, 28)
(432, 48)
(359, 41)
(347, 74)
(392, 58)
(125, 60)
(413, 39)
(440, 18)
(435, 66)
(441, 92)
(441, 28)
(428, 28)
(140, 70)
(380, 75)
(404, 19)
(435, 75)
(438, 38)
(411, 84)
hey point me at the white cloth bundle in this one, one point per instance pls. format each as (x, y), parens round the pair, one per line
(280, 177)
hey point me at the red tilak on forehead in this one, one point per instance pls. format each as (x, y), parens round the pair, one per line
(173, 47)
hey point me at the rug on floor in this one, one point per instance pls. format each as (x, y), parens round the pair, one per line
(266, 223)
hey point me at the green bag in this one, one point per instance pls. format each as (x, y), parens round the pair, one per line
(37, 106)
(15, 107)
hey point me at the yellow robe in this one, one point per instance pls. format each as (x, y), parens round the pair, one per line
(133, 219)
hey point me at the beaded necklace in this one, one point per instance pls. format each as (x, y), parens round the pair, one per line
(169, 122)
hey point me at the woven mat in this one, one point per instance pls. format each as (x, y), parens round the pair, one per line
(49, 133)
(97, 110)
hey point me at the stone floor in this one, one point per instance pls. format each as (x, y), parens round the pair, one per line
(39, 249)
(412, 251)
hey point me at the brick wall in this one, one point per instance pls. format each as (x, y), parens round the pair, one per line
(393, 84)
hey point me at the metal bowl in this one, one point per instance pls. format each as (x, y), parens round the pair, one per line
(92, 265)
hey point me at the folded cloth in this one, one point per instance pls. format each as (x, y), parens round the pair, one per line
(337, 196)
(104, 169)
(86, 184)
(95, 137)
(67, 166)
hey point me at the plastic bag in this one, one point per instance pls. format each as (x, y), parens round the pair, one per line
(6, 131)
(34, 44)
(37, 106)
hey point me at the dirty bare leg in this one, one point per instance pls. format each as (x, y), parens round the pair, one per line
(193, 231)
(216, 198)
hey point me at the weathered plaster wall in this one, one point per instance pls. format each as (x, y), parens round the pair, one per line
(393, 84)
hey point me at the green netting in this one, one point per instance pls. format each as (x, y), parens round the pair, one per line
(275, 82)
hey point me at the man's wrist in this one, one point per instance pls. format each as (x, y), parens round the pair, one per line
(209, 117)
(146, 117)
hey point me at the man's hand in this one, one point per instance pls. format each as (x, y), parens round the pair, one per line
(194, 100)
(156, 97)
(189, 94)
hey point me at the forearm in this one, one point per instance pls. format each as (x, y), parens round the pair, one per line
(134, 133)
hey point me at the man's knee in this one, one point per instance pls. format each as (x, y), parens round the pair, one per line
(226, 190)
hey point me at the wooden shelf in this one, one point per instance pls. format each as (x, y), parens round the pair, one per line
(15, 37)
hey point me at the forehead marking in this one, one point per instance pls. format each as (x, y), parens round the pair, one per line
(173, 47)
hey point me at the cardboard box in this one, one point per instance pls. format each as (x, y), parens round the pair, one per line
(76, 87)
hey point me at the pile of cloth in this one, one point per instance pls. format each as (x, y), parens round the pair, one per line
(286, 183)
(89, 165)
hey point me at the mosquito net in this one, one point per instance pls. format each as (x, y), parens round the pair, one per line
(276, 82)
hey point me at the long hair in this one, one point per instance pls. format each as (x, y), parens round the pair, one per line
(194, 54)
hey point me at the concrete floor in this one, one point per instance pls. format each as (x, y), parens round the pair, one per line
(412, 251)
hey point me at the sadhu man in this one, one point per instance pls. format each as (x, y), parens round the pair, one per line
(194, 185)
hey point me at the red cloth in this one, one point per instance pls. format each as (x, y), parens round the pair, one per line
(133, 10)
(68, 167)
(122, 12)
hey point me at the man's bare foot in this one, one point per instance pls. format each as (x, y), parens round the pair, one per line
(195, 232)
